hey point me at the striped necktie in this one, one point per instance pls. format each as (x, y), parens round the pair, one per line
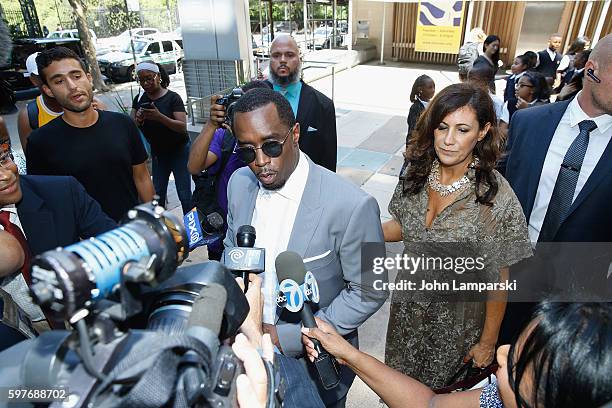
(565, 186)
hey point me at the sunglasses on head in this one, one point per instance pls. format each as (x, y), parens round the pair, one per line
(271, 148)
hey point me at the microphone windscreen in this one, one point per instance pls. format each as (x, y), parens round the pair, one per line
(215, 220)
(208, 308)
(246, 229)
(289, 265)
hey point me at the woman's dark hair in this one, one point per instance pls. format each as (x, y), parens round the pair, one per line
(420, 82)
(525, 60)
(533, 59)
(490, 39)
(567, 353)
(582, 56)
(420, 152)
(578, 45)
(163, 75)
(541, 89)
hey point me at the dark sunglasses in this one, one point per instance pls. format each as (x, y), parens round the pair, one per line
(271, 148)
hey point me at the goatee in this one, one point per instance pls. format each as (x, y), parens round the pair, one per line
(289, 79)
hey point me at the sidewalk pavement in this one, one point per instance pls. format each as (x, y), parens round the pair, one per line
(372, 103)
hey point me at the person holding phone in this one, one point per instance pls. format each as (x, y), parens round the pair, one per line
(160, 115)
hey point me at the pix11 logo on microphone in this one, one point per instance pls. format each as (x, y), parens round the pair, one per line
(194, 229)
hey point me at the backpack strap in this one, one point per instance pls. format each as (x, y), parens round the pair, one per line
(32, 108)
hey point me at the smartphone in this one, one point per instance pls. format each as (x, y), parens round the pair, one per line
(146, 105)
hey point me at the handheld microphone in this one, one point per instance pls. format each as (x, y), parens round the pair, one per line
(206, 315)
(202, 229)
(244, 258)
(297, 288)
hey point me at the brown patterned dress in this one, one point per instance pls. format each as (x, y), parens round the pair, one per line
(428, 340)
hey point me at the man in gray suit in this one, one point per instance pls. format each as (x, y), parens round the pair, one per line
(299, 206)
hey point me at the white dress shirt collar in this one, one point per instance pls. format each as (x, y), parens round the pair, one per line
(577, 115)
(551, 53)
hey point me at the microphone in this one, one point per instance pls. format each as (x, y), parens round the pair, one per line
(297, 288)
(206, 315)
(245, 237)
(202, 229)
(244, 258)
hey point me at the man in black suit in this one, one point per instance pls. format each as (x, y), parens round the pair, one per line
(549, 60)
(558, 163)
(42, 213)
(314, 111)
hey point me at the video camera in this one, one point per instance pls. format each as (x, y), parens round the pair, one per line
(147, 333)
(228, 102)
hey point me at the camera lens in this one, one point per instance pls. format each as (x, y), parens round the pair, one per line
(171, 310)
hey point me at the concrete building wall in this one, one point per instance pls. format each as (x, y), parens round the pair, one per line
(373, 12)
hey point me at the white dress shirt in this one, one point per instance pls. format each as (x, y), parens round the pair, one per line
(273, 219)
(566, 132)
(15, 284)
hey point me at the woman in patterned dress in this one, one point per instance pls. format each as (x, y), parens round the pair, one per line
(450, 195)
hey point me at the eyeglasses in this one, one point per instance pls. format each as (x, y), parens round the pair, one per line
(6, 158)
(147, 79)
(271, 148)
(519, 85)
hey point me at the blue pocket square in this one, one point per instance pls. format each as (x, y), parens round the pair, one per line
(311, 129)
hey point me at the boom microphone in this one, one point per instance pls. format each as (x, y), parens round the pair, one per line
(298, 288)
(202, 229)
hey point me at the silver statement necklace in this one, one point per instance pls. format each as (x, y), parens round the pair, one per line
(433, 180)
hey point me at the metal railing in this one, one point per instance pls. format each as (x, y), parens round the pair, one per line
(202, 104)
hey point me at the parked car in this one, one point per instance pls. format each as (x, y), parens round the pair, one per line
(14, 71)
(323, 36)
(119, 65)
(74, 33)
(120, 41)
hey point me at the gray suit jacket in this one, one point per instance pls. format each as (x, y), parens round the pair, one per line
(334, 218)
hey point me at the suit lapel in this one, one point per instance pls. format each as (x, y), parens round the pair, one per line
(304, 108)
(601, 170)
(36, 220)
(308, 214)
(542, 131)
(244, 213)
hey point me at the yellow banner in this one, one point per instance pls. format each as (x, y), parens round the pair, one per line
(439, 25)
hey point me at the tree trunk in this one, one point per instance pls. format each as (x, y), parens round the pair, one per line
(271, 22)
(88, 46)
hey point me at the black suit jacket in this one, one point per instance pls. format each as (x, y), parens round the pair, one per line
(529, 137)
(317, 118)
(57, 211)
(531, 131)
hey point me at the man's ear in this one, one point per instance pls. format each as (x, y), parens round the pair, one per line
(296, 133)
(90, 78)
(47, 91)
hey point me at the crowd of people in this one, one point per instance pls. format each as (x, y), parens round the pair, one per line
(502, 174)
